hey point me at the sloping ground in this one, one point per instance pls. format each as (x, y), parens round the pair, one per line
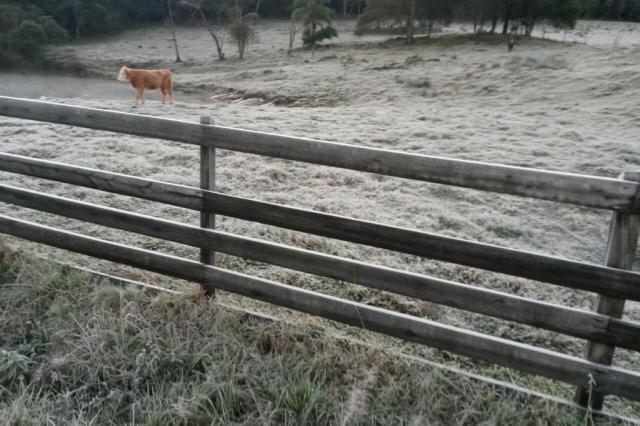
(76, 350)
(548, 105)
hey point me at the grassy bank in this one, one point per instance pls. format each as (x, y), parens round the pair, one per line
(76, 350)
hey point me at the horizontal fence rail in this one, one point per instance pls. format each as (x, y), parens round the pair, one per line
(565, 320)
(569, 369)
(614, 282)
(568, 273)
(597, 192)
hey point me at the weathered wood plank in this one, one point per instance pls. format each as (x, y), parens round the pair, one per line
(207, 182)
(583, 190)
(515, 355)
(569, 321)
(167, 193)
(569, 273)
(621, 253)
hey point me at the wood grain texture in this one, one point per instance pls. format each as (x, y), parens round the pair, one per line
(561, 319)
(519, 356)
(573, 274)
(621, 253)
(207, 182)
(597, 192)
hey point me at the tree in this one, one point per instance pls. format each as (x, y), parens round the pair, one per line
(559, 13)
(11, 15)
(171, 25)
(242, 32)
(53, 30)
(590, 7)
(258, 4)
(96, 17)
(632, 12)
(566, 13)
(28, 38)
(392, 14)
(293, 31)
(480, 12)
(75, 9)
(432, 11)
(313, 14)
(389, 14)
(218, 39)
(321, 34)
(511, 10)
(536, 10)
(21, 34)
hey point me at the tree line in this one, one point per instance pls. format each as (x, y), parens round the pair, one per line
(25, 25)
(487, 16)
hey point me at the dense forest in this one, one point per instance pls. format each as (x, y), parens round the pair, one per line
(26, 25)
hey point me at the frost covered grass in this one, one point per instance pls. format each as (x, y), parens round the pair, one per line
(568, 107)
(76, 350)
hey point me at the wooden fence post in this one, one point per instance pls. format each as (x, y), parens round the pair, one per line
(207, 182)
(621, 252)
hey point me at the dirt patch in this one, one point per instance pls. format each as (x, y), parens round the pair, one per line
(248, 98)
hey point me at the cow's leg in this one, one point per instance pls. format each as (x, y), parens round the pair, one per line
(140, 96)
(135, 93)
(170, 91)
(168, 87)
(167, 93)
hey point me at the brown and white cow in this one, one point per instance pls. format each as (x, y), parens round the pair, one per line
(149, 80)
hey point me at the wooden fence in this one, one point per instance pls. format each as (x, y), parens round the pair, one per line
(615, 282)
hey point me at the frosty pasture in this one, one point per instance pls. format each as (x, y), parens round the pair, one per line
(567, 107)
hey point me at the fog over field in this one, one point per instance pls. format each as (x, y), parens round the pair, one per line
(571, 107)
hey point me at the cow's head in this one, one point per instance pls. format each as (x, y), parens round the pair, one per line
(123, 75)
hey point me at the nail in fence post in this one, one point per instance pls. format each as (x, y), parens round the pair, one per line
(621, 252)
(208, 182)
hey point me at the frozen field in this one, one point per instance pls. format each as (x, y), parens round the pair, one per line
(568, 107)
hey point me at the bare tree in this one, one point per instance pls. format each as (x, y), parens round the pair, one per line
(398, 12)
(258, 4)
(293, 32)
(242, 31)
(196, 5)
(171, 25)
(77, 10)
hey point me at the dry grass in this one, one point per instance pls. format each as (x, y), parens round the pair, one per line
(79, 351)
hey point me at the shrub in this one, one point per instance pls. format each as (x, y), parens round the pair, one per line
(242, 32)
(97, 19)
(316, 17)
(54, 31)
(324, 33)
(28, 38)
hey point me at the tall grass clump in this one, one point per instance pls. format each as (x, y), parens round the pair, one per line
(76, 350)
